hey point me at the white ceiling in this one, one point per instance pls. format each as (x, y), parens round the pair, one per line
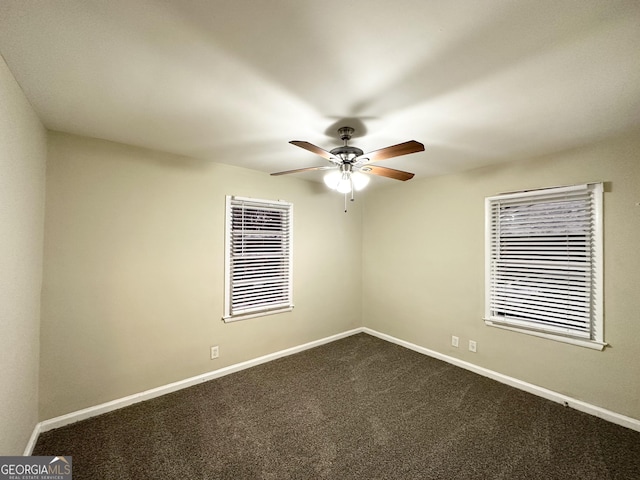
(476, 81)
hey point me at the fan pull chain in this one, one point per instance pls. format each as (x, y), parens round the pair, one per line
(351, 182)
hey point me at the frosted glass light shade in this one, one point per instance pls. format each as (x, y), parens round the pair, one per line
(332, 178)
(360, 180)
(344, 185)
(344, 181)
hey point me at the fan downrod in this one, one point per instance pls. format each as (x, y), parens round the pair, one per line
(346, 153)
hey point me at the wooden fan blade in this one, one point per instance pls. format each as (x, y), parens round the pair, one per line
(297, 170)
(312, 148)
(388, 172)
(394, 151)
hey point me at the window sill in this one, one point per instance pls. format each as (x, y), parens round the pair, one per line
(595, 345)
(246, 316)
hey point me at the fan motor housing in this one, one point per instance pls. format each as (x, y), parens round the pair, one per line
(347, 153)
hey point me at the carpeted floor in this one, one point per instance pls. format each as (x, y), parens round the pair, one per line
(358, 408)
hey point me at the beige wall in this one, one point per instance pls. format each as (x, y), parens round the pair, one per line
(22, 188)
(133, 277)
(423, 271)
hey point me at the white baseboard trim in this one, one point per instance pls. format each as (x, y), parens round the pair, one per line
(613, 417)
(28, 450)
(89, 412)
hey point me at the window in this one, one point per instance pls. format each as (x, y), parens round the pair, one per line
(258, 254)
(544, 263)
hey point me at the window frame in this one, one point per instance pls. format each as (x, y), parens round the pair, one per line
(231, 202)
(595, 322)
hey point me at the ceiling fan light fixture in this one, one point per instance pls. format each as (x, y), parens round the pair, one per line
(350, 164)
(345, 180)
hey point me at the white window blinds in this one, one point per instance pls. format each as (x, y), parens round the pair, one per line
(258, 277)
(544, 261)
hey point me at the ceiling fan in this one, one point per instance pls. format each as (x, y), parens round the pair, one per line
(351, 163)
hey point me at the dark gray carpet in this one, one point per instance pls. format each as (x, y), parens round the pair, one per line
(358, 408)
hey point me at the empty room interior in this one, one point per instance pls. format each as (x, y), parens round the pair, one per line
(445, 263)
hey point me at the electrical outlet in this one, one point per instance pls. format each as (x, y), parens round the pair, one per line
(473, 347)
(215, 352)
(455, 341)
